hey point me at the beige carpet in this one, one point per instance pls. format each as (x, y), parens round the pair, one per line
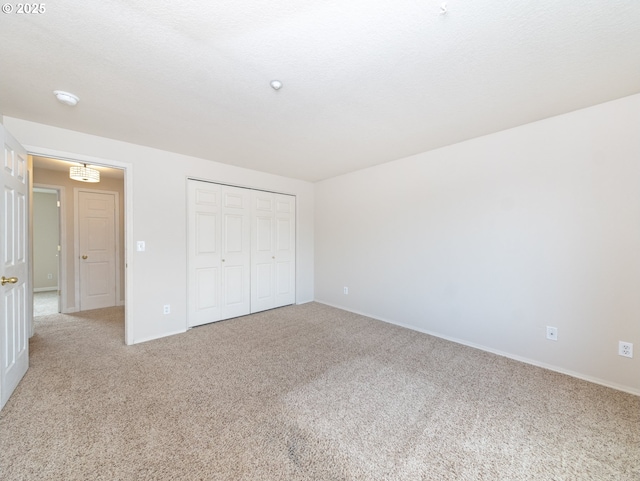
(302, 393)
(45, 303)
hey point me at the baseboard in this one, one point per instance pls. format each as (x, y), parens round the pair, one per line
(533, 362)
(44, 289)
(153, 338)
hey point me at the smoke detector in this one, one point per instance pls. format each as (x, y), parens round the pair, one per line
(66, 98)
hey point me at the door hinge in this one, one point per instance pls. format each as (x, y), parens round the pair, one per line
(58, 203)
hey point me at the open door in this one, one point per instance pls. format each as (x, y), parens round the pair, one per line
(15, 288)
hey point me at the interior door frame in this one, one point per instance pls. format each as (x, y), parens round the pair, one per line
(76, 239)
(128, 169)
(62, 240)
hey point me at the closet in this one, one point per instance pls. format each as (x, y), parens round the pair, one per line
(241, 251)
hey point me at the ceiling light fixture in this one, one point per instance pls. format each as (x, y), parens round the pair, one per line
(84, 174)
(276, 84)
(66, 98)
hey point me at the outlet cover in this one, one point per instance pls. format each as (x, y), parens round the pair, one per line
(552, 333)
(167, 309)
(625, 349)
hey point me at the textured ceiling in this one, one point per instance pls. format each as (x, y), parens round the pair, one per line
(365, 82)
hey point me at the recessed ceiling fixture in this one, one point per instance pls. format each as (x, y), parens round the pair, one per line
(66, 98)
(84, 174)
(276, 84)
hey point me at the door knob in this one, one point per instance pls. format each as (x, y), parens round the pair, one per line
(84, 257)
(10, 280)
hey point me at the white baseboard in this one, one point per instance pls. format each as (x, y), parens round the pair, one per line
(44, 289)
(153, 338)
(533, 362)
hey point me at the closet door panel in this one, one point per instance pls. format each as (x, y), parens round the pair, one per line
(264, 283)
(206, 231)
(203, 295)
(285, 253)
(207, 287)
(234, 285)
(272, 251)
(236, 255)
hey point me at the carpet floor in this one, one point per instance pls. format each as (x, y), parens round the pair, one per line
(304, 392)
(45, 303)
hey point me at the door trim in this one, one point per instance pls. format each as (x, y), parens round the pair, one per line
(76, 239)
(240, 186)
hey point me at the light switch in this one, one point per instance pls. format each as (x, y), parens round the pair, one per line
(140, 246)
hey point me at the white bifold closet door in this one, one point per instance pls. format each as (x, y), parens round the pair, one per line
(219, 252)
(272, 250)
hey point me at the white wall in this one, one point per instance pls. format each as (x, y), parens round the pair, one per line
(45, 241)
(488, 241)
(158, 194)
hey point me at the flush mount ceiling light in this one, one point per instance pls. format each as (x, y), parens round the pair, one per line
(84, 174)
(66, 98)
(276, 84)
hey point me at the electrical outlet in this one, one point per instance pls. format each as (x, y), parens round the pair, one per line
(49, 276)
(625, 349)
(552, 333)
(167, 309)
(346, 290)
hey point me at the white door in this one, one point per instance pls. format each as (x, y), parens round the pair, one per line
(236, 253)
(97, 249)
(219, 252)
(285, 250)
(272, 250)
(15, 292)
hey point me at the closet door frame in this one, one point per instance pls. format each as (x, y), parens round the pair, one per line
(221, 268)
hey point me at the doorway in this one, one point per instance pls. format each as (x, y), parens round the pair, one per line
(47, 247)
(115, 180)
